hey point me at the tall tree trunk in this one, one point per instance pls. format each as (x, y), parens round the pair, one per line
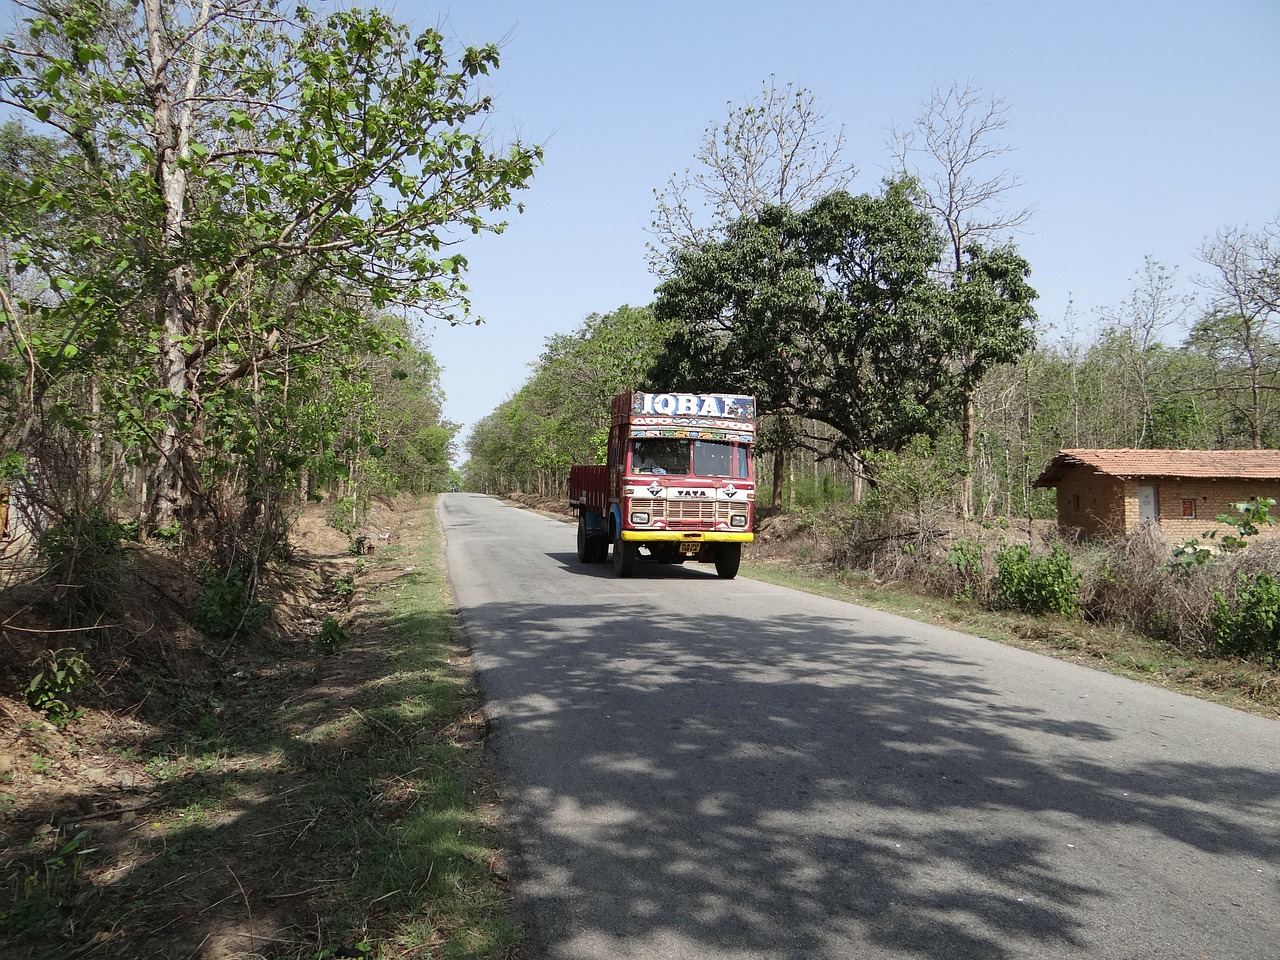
(968, 431)
(779, 464)
(174, 483)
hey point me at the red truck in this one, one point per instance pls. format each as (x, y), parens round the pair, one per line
(678, 484)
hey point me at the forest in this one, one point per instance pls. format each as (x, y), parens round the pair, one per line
(222, 229)
(898, 326)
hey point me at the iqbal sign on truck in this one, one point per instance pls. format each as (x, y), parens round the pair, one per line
(679, 483)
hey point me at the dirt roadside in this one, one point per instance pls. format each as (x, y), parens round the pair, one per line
(159, 823)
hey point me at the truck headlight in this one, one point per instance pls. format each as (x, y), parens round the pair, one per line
(639, 518)
(738, 520)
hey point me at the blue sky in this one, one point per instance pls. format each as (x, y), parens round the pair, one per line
(1139, 129)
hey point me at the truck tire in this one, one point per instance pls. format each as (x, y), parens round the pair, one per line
(624, 557)
(599, 547)
(728, 558)
(586, 547)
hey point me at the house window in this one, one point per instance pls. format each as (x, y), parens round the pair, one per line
(1189, 508)
(1075, 501)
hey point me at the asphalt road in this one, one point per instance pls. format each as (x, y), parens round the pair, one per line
(697, 768)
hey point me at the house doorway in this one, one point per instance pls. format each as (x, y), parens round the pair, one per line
(1147, 504)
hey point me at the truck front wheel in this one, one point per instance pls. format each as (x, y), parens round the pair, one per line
(624, 557)
(728, 558)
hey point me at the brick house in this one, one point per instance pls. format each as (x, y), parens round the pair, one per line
(1111, 492)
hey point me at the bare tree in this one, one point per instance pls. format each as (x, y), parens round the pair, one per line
(778, 149)
(1244, 311)
(1135, 330)
(951, 148)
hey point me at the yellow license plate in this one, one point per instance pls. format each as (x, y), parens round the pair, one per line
(690, 548)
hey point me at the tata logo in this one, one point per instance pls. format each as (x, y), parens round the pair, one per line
(695, 494)
(654, 488)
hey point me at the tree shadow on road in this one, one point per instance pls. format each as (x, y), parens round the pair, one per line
(783, 787)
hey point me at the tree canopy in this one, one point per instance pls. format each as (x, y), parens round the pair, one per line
(560, 416)
(836, 314)
(237, 197)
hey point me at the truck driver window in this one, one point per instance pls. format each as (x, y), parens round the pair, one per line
(660, 456)
(713, 459)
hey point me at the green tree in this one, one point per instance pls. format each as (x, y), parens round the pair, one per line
(416, 440)
(836, 315)
(560, 415)
(1141, 359)
(242, 192)
(381, 427)
(777, 149)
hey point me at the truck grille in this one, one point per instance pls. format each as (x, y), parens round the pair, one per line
(685, 512)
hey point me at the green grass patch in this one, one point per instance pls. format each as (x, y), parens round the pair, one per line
(410, 805)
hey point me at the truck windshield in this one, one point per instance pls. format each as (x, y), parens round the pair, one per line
(710, 458)
(715, 458)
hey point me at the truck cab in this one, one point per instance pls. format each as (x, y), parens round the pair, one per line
(678, 484)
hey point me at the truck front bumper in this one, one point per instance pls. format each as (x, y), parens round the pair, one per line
(687, 536)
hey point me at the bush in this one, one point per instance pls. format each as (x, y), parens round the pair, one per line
(83, 557)
(809, 493)
(916, 482)
(344, 514)
(226, 606)
(965, 558)
(1249, 626)
(332, 637)
(61, 673)
(1037, 585)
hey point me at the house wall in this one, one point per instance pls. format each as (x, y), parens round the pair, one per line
(1107, 506)
(1091, 504)
(1209, 498)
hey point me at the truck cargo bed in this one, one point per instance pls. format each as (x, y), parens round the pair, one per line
(589, 487)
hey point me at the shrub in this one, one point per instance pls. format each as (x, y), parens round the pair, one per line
(333, 636)
(1249, 626)
(914, 482)
(83, 557)
(810, 493)
(61, 672)
(965, 558)
(1249, 515)
(344, 514)
(1037, 585)
(226, 606)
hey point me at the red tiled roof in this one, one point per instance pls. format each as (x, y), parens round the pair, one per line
(1211, 464)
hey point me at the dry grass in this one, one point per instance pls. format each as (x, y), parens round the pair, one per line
(256, 798)
(1144, 615)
